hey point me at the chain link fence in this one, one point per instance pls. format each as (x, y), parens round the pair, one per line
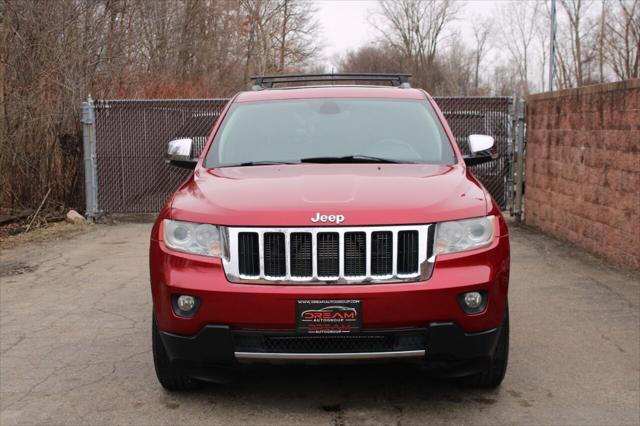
(126, 140)
(131, 143)
(493, 116)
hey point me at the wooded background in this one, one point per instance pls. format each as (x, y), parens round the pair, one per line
(54, 53)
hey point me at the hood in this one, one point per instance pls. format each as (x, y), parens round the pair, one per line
(365, 194)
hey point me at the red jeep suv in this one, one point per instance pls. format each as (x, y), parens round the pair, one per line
(330, 223)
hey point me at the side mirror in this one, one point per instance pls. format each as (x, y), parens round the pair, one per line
(179, 154)
(478, 145)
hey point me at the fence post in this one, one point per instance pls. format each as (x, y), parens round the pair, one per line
(89, 149)
(519, 170)
(511, 154)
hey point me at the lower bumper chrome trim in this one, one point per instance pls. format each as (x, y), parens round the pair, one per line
(328, 356)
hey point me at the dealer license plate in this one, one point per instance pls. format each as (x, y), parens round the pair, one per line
(328, 316)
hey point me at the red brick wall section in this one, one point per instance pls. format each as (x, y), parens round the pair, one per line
(583, 168)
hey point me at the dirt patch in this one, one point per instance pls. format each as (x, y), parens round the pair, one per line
(15, 268)
(53, 231)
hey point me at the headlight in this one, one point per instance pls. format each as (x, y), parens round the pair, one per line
(196, 238)
(461, 235)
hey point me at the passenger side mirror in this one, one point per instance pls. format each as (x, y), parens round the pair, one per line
(179, 154)
(478, 145)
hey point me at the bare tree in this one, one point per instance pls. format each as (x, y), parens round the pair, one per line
(4, 33)
(482, 30)
(416, 28)
(519, 26)
(622, 39)
(282, 34)
(601, 38)
(543, 43)
(579, 28)
(456, 65)
(54, 53)
(295, 40)
(373, 59)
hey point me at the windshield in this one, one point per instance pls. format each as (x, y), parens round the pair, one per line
(293, 131)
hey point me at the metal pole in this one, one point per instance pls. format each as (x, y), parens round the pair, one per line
(519, 161)
(90, 168)
(552, 46)
(513, 122)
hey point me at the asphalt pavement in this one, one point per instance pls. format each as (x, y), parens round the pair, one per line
(75, 348)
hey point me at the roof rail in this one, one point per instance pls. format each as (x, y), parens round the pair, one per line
(261, 82)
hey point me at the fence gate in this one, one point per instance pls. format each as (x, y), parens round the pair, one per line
(126, 140)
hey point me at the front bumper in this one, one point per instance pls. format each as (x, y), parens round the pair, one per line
(221, 346)
(392, 306)
(421, 321)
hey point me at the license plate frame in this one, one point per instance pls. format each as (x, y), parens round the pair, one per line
(328, 316)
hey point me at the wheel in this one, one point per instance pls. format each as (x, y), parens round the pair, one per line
(493, 375)
(170, 375)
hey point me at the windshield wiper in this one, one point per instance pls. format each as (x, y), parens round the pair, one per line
(350, 159)
(255, 163)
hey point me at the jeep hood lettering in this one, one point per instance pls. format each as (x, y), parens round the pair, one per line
(366, 194)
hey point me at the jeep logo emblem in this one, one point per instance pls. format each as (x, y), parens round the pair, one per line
(333, 218)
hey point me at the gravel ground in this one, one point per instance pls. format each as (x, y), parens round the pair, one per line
(75, 348)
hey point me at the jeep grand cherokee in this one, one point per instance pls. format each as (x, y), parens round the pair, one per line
(329, 223)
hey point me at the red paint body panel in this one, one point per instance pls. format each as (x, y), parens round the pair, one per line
(366, 194)
(243, 306)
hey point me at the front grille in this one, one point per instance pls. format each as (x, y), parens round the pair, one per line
(250, 341)
(329, 254)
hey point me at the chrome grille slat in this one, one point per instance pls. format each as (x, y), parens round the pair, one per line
(314, 255)
(341, 253)
(367, 253)
(261, 252)
(394, 253)
(308, 259)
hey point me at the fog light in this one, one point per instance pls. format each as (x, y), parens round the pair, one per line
(473, 299)
(186, 303)
(473, 302)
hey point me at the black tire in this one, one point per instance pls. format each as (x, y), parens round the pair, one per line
(170, 375)
(494, 373)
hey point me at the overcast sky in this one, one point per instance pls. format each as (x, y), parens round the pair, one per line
(345, 23)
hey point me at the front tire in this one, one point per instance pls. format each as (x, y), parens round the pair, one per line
(494, 373)
(170, 375)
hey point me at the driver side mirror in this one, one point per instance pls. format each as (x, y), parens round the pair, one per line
(179, 154)
(479, 145)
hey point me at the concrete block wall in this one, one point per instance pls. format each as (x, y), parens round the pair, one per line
(583, 168)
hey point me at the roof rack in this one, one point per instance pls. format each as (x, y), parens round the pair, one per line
(261, 82)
